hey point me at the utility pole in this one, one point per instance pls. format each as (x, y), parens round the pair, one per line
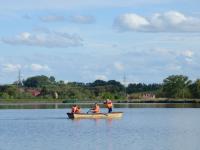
(19, 82)
(124, 80)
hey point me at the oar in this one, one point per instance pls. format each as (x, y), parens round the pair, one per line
(106, 114)
(88, 111)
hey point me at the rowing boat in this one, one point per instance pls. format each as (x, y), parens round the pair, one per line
(95, 115)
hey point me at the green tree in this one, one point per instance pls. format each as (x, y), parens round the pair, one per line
(4, 96)
(139, 87)
(37, 81)
(98, 83)
(176, 86)
(52, 79)
(11, 90)
(195, 89)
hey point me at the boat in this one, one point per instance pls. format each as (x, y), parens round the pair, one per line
(95, 115)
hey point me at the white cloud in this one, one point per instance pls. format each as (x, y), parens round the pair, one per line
(188, 56)
(172, 52)
(189, 60)
(39, 67)
(163, 51)
(119, 66)
(188, 53)
(44, 39)
(11, 67)
(15, 67)
(101, 77)
(82, 19)
(171, 21)
(131, 21)
(167, 20)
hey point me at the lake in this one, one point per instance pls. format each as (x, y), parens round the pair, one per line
(139, 129)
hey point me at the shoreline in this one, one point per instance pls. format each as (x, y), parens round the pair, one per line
(121, 104)
(54, 101)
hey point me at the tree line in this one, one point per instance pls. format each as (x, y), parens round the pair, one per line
(174, 86)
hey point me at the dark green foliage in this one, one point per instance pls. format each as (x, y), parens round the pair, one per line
(38, 81)
(13, 91)
(176, 86)
(135, 88)
(52, 79)
(195, 89)
(9, 91)
(110, 89)
(98, 83)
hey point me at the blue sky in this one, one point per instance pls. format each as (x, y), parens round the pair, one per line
(147, 40)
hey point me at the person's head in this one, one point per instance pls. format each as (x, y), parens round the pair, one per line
(108, 100)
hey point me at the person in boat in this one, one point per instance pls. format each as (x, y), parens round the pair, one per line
(109, 105)
(74, 109)
(96, 109)
(78, 110)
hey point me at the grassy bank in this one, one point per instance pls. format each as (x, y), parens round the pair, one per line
(157, 100)
(31, 100)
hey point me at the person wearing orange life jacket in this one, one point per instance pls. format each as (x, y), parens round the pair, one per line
(109, 105)
(74, 109)
(96, 109)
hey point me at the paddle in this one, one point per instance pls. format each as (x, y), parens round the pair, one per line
(88, 111)
(106, 114)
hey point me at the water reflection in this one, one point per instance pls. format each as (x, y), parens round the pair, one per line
(116, 105)
(95, 120)
(38, 118)
(140, 129)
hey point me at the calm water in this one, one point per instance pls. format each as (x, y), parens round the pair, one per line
(139, 129)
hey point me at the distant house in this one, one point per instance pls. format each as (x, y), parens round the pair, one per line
(148, 96)
(34, 92)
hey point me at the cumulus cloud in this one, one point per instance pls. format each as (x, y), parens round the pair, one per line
(171, 52)
(188, 53)
(47, 39)
(11, 67)
(82, 19)
(182, 57)
(131, 21)
(171, 21)
(188, 56)
(52, 18)
(39, 67)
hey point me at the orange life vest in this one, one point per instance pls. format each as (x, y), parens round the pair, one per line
(96, 109)
(109, 104)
